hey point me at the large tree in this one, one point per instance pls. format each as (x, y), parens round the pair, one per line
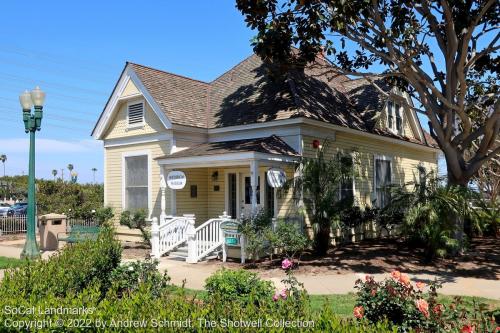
(445, 54)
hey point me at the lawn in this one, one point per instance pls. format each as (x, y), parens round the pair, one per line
(344, 304)
(10, 262)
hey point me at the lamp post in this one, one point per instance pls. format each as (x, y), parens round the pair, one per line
(32, 123)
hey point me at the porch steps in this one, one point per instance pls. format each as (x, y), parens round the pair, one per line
(181, 253)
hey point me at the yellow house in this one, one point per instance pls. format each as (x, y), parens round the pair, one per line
(226, 134)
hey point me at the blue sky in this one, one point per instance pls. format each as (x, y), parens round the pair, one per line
(75, 51)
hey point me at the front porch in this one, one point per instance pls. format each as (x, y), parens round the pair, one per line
(230, 177)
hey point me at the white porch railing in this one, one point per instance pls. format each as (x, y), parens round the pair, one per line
(205, 239)
(171, 233)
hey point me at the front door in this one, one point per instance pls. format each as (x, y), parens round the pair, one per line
(246, 193)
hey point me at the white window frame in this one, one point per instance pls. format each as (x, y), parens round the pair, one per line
(132, 154)
(392, 112)
(351, 154)
(141, 124)
(382, 158)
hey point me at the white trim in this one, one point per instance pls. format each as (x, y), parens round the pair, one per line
(133, 102)
(146, 152)
(105, 173)
(137, 139)
(111, 106)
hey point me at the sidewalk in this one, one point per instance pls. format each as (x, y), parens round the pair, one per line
(195, 275)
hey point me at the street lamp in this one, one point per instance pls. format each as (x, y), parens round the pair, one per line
(32, 123)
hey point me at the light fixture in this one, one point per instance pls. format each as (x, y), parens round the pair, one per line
(38, 97)
(215, 176)
(25, 100)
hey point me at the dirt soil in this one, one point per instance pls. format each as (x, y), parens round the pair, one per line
(135, 251)
(482, 260)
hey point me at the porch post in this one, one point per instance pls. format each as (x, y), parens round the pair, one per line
(163, 186)
(254, 179)
(173, 200)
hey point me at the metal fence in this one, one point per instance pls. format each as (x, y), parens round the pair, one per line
(88, 222)
(12, 224)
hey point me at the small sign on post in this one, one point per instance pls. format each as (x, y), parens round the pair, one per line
(176, 180)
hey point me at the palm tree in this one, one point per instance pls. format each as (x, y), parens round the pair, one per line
(94, 170)
(54, 173)
(70, 167)
(3, 158)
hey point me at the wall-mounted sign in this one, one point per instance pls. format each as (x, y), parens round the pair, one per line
(176, 180)
(276, 177)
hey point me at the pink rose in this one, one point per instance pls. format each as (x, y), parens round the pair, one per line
(373, 292)
(368, 277)
(283, 293)
(438, 309)
(396, 275)
(404, 279)
(286, 264)
(423, 307)
(468, 329)
(358, 312)
(276, 297)
(420, 285)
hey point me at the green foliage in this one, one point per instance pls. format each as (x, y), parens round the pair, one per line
(230, 285)
(103, 215)
(136, 220)
(128, 277)
(407, 306)
(317, 185)
(255, 228)
(288, 238)
(430, 212)
(74, 268)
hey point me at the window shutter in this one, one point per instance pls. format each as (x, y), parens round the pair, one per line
(135, 113)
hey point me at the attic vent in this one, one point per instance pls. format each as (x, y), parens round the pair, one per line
(135, 113)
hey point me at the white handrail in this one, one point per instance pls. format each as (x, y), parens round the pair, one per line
(170, 234)
(205, 239)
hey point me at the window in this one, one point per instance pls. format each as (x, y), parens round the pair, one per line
(248, 191)
(135, 114)
(347, 182)
(394, 117)
(382, 181)
(136, 182)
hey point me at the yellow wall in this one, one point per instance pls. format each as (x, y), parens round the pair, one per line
(404, 160)
(119, 129)
(113, 181)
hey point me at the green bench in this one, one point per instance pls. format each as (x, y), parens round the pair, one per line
(78, 233)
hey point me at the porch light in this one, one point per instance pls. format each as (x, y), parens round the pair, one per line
(315, 144)
(215, 176)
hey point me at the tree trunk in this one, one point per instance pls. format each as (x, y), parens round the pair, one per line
(458, 221)
(322, 239)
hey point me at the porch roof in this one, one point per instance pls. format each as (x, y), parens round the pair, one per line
(260, 148)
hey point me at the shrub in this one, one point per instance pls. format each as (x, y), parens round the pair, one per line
(229, 285)
(288, 238)
(406, 305)
(136, 220)
(127, 277)
(71, 270)
(103, 215)
(255, 228)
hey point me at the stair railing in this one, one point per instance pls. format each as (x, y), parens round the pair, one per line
(205, 239)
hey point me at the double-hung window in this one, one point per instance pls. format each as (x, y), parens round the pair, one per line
(136, 182)
(347, 181)
(383, 176)
(395, 117)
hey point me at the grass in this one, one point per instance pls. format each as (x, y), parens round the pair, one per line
(10, 262)
(343, 304)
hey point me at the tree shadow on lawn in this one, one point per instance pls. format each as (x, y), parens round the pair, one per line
(382, 256)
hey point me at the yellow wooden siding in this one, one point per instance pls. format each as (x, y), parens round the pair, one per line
(113, 182)
(198, 205)
(119, 127)
(130, 89)
(404, 160)
(216, 199)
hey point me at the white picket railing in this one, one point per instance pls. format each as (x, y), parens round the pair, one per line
(205, 239)
(12, 224)
(170, 233)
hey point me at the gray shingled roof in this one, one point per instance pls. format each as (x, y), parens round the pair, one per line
(270, 145)
(246, 94)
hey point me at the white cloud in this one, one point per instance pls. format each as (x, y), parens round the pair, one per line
(48, 146)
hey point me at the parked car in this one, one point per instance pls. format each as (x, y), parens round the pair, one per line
(17, 209)
(4, 208)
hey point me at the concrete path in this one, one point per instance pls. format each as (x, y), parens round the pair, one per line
(195, 275)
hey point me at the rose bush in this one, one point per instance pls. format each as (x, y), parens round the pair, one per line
(406, 305)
